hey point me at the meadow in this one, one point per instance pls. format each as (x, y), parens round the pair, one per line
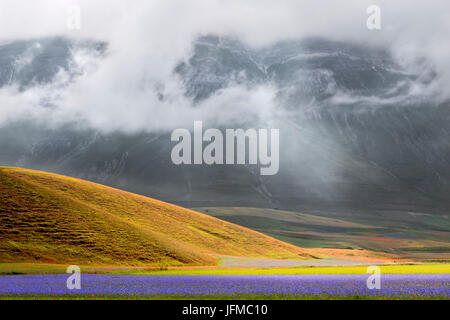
(412, 281)
(329, 286)
(133, 247)
(32, 268)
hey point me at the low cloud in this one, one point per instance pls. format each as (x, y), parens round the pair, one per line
(146, 39)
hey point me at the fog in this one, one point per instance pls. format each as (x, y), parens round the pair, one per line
(146, 40)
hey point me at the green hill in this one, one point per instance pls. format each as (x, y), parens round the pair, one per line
(56, 219)
(403, 234)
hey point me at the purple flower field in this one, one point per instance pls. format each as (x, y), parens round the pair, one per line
(415, 285)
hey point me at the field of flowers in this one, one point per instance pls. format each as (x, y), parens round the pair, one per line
(270, 286)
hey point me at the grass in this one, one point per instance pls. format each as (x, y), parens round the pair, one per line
(390, 269)
(18, 268)
(218, 297)
(48, 218)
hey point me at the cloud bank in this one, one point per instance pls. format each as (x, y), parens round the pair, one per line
(146, 39)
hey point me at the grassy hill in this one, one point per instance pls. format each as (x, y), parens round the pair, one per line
(56, 219)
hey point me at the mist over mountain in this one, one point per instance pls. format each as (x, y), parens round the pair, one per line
(359, 131)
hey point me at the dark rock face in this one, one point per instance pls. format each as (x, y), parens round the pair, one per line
(356, 138)
(27, 63)
(312, 69)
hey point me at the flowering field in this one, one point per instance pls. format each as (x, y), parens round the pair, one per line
(270, 286)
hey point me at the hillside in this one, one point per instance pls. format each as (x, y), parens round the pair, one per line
(56, 219)
(384, 233)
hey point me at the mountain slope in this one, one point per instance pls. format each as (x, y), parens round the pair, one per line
(50, 218)
(357, 135)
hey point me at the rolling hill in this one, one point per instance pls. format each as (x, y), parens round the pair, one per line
(56, 219)
(387, 233)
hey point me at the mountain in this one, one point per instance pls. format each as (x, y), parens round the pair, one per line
(50, 218)
(363, 134)
(384, 232)
(27, 63)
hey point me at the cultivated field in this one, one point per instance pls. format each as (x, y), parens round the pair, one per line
(133, 247)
